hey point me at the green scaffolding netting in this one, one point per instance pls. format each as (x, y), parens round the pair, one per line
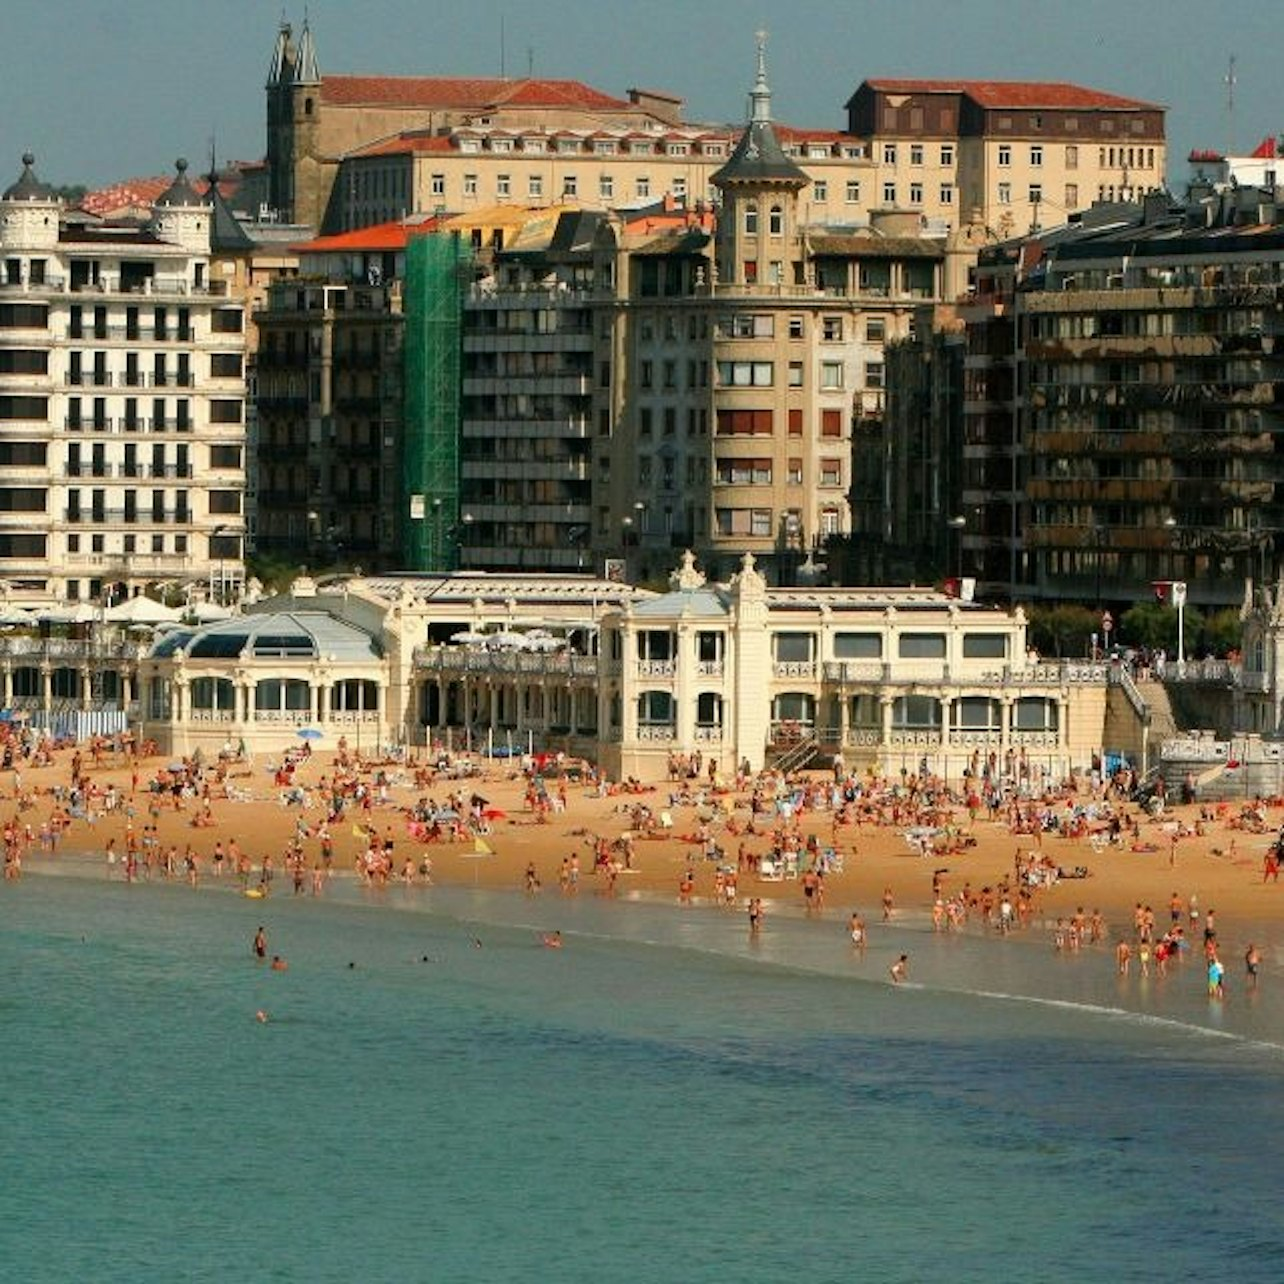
(437, 270)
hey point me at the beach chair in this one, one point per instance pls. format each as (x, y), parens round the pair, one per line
(769, 871)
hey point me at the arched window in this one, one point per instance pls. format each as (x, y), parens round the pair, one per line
(751, 220)
(66, 684)
(655, 708)
(277, 695)
(776, 221)
(977, 713)
(916, 713)
(213, 693)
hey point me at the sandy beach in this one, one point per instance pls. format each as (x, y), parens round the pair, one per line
(1219, 858)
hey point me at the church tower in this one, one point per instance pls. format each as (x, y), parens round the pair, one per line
(293, 123)
(757, 240)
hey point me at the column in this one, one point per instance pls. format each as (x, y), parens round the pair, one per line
(885, 703)
(1005, 724)
(443, 689)
(85, 688)
(8, 685)
(684, 690)
(326, 692)
(844, 719)
(46, 687)
(126, 690)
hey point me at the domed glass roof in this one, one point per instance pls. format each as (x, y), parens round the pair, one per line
(293, 635)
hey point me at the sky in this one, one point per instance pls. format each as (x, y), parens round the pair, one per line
(102, 92)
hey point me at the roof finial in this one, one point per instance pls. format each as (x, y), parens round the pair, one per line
(760, 94)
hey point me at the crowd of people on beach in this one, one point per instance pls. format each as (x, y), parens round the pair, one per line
(737, 832)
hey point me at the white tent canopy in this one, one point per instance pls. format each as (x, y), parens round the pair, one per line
(72, 613)
(142, 610)
(204, 612)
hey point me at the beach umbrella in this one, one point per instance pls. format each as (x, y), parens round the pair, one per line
(309, 733)
(495, 813)
(468, 637)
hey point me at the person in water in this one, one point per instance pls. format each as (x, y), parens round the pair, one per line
(260, 943)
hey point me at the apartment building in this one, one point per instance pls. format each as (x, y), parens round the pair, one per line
(350, 151)
(1013, 155)
(742, 361)
(525, 424)
(1120, 417)
(122, 398)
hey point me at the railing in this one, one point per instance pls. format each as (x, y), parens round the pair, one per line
(1121, 677)
(856, 671)
(1208, 670)
(506, 663)
(657, 668)
(657, 731)
(795, 668)
(708, 735)
(38, 650)
(1256, 682)
(709, 668)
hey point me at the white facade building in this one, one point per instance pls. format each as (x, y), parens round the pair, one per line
(122, 399)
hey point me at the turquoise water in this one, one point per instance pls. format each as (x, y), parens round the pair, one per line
(660, 1100)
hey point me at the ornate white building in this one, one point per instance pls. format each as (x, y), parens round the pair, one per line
(737, 672)
(122, 398)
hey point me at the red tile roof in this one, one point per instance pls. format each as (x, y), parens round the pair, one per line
(139, 193)
(792, 134)
(403, 144)
(382, 236)
(1013, 93)
(468, 94)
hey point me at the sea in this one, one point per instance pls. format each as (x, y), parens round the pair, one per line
(435, 1095)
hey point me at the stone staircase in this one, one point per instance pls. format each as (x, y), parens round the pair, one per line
(797, 756)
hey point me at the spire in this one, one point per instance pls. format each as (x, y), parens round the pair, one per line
(760, 94)
(306, 71)
(758, 156)
(282, 56)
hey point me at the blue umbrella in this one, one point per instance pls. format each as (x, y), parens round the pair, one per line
(309, 733)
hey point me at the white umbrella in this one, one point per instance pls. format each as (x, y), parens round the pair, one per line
(10, 615)
(468, 637)
(142, 610)
(505, 639)
(544, 644)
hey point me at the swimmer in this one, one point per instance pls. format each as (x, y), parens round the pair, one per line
(1252, 963)
(553, 940)
(261, 1017)
(856, 929)
(900, 969)
(278, 963)
(260, 944)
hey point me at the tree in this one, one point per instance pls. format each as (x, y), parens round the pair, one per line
(1063, 630)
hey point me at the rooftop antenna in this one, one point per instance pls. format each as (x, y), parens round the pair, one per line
(502, 69)
(1230, 106)
(530, 62)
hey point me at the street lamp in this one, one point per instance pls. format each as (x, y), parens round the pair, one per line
(1178, 590)
(958, 524)
(214, 542)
